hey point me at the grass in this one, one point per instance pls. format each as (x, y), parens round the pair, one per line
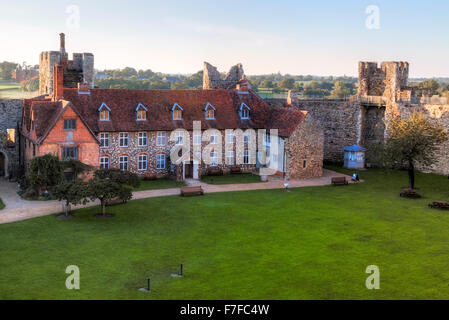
(159, 184)
(231, 178)
(12, 90)
(310, 243)
(2, 205)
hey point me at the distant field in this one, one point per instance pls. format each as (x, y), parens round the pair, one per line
(12, 90)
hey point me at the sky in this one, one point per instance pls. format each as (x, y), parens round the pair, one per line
(176, 36)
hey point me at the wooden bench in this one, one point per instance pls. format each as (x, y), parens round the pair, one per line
(336, 181)
(235, 169)
(214, 171)
(439, 205)
(192, 190)
(410, 193)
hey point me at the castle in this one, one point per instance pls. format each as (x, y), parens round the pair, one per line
(78, 70)
(102, 127)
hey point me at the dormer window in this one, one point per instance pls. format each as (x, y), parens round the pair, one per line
(244, 111)
(141, 112)
(104, 112)
(177, 112)
(209, 112)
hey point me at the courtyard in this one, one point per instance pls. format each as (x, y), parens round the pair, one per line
(309, 243)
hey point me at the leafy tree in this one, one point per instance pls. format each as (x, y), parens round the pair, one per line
(45, 172)
(429, 84)
(412, 141)
(73, 193)
(287, 83)
(31, 84)
(266, 84)
(341, 90)
(108, 184)
(6, 69)
(76, 166)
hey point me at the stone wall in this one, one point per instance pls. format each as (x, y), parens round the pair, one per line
(10, 118)
(212, 79)
(304, 150)
(341, 121)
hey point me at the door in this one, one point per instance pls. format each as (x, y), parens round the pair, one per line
(195, 170)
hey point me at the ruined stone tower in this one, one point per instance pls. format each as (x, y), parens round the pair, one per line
(78, 70)
(386, 81)
(212, 79)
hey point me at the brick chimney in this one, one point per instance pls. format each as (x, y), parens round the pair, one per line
(243, 86)
(83, 88)
(62, 42)
(58, 82)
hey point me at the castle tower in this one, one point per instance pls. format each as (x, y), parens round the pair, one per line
(78, 70)
(212, 79)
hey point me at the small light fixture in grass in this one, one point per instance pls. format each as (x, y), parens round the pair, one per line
(180, 274)
(147, 289)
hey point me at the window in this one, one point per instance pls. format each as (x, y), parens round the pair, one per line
(179, 137)
(177, 112)
(11, 137)
(246, 137)
(197, 138)
(246, 156)
(141, 112)
(214, 158)
(160, 161)
(104, 140)
(142, 137)
(214, 138)
(210, 112)
(230, 158)
(230, 137)
(267, 139)
(244, 111)
(69, 124)
(160, 141)
(70, 153)
(124, 140)
(123, 163)
(143, 159)
(104, 112)
(104, 162)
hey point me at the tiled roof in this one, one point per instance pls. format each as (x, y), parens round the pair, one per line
(123, 105)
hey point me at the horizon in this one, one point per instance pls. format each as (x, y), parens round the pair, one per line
(297, 38)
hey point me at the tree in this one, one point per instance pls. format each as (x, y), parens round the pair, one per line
(108, 184)
(412, 141)
(6, 69)
(45, 172)
(287, 83)
(73, 193)
(429, 84)
(340, 90)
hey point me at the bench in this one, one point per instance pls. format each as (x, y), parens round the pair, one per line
(439, 205)
(410, 193)
(115, 201)
(214, 171)
(192, 190)
(336, 181)
(235, 169)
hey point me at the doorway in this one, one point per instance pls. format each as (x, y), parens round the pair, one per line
(3, 165)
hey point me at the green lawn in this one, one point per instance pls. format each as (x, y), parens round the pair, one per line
(159, 184)
(310, 243)
(231, 178)
(2, 205)
(12, 90)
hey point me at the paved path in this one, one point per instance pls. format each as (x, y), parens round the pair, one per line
(18, 209)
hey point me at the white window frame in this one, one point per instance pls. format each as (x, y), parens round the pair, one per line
(213, 159)
(209, 107)
(141, 107)
(103, 163)
(139, 137)
(177, 107)
(230, 137)
(246, 137)
(161, 138)
(160, 159)
(104, 105)
(140, 161)
(230, 155)
(246, 156)
(105, 136)
(123, 162)
(120, 139)
(214, 138)
(179, 134)
(197, 138)
(244, 111)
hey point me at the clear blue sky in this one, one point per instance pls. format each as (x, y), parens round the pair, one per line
(174, 36)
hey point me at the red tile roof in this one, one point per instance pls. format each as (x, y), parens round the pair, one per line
(123, 104)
